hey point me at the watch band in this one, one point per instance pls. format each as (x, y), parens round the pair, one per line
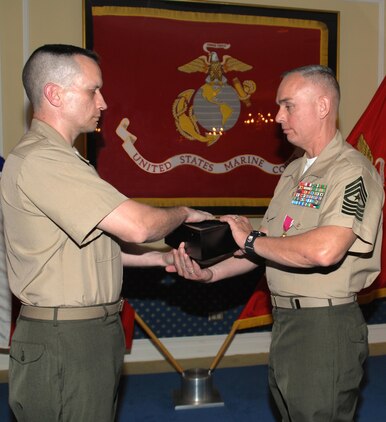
(250, 240)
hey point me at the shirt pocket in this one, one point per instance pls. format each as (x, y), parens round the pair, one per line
(106, 249)
(306, 219)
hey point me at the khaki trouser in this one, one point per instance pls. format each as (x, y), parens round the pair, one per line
(66, 371)
(316, 362)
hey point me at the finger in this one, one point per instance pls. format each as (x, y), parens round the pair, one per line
(225, 218)
(209, 216)
(239, 253)
(178, 262)
(190, 271)
(183, 262)
(171, 269)
(188, 265)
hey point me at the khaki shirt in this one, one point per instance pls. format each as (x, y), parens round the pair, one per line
(341, 188)
(52, 201)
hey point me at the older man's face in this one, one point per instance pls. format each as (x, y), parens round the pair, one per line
(298, 113)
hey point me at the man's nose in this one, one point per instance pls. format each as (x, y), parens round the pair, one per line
(101, 102)
(279, 116)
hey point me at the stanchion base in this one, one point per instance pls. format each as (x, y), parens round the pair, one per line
(196, 391)
(180, 404)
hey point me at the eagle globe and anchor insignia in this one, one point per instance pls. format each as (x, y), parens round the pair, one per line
(215, 105)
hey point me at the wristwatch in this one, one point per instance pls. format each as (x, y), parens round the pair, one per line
(250, 240)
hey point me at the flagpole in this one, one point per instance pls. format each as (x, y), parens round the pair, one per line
(224, 346)
(158, 343)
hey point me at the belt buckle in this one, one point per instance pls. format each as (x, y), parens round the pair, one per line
(295, 303)
(121, 304)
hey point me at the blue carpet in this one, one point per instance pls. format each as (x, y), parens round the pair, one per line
(244, 391)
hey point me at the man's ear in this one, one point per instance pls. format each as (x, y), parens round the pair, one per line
(52, 94)
(324, 106)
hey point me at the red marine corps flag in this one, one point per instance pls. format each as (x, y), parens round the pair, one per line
(369, 136)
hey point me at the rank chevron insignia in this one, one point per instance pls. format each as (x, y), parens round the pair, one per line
(355, 197)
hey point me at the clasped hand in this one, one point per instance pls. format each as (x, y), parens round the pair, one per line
(190, 269)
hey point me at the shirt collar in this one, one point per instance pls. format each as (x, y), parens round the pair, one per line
(48, 131)
(55, 137)
(318, 168)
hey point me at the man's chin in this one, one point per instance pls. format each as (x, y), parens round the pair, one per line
(291, 136)
(92, 129)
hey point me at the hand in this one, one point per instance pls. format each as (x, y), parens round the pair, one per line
(167, 259)
(187, 268)
(240, 226)
(195, 216)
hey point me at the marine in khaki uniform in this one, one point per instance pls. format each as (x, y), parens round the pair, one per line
(64, 228)
(89, 260)
(321, 240)
(328, 195)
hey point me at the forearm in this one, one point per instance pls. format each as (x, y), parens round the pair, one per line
(231, 267)
(320, 247)
(161, 221)
(134, 222)
(147, 259)
(323, 247)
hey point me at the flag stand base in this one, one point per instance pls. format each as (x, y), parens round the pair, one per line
(196, 391)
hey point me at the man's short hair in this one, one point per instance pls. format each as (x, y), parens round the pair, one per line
(319, 74)
(52, 63)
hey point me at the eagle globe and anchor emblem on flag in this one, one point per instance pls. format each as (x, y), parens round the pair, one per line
(215, 106)
(204, 114)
